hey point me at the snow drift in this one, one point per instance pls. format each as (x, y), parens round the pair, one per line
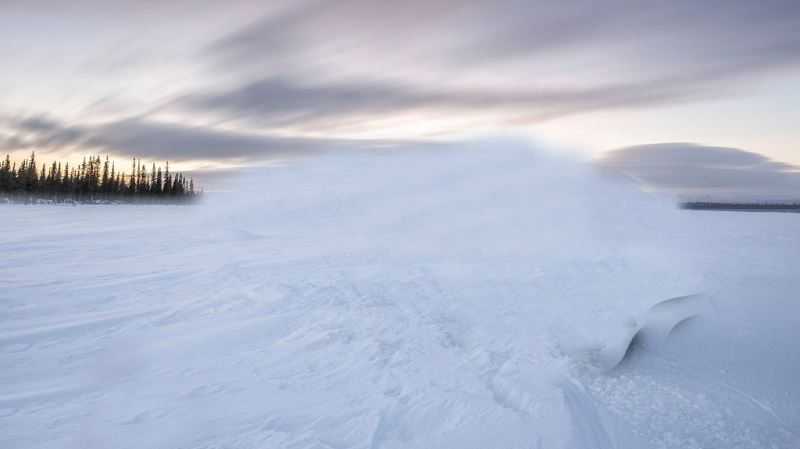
(489, 295)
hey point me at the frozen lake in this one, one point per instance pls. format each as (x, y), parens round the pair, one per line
(426, 299)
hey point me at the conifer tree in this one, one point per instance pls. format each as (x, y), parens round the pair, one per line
(94, 178)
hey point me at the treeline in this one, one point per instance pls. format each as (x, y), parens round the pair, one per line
(741, 206)
(94, 179)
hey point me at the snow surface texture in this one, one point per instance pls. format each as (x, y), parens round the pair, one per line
(479, 298)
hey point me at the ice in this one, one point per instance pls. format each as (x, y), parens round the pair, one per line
(433, 297)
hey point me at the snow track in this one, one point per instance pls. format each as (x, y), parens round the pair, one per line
(411, 300)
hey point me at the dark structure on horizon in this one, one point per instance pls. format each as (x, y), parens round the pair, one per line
(742, 206)
(93, 180)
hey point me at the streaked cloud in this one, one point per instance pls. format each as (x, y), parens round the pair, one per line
(159, 140)
(662, 38)
(278, 102)
(183, 80)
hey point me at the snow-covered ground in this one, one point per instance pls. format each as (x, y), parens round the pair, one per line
(479, 298)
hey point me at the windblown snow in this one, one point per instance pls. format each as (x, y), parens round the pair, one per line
(491, 296)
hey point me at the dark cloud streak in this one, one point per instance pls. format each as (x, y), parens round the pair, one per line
(160, 140)
(278, 102)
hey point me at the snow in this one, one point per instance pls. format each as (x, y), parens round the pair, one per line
(467, 298)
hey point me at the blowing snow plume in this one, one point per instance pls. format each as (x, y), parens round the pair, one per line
(455, 296)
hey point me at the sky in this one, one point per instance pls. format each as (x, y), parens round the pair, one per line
(208, 84)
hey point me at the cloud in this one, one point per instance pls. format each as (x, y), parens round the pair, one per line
(660, 39)
(354, 66)
(37, 131)
(38, 124)
(278, 102)
(160, 140)
(702, 172)
(320, 62)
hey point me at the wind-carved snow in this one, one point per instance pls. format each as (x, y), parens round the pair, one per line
(472, 298)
